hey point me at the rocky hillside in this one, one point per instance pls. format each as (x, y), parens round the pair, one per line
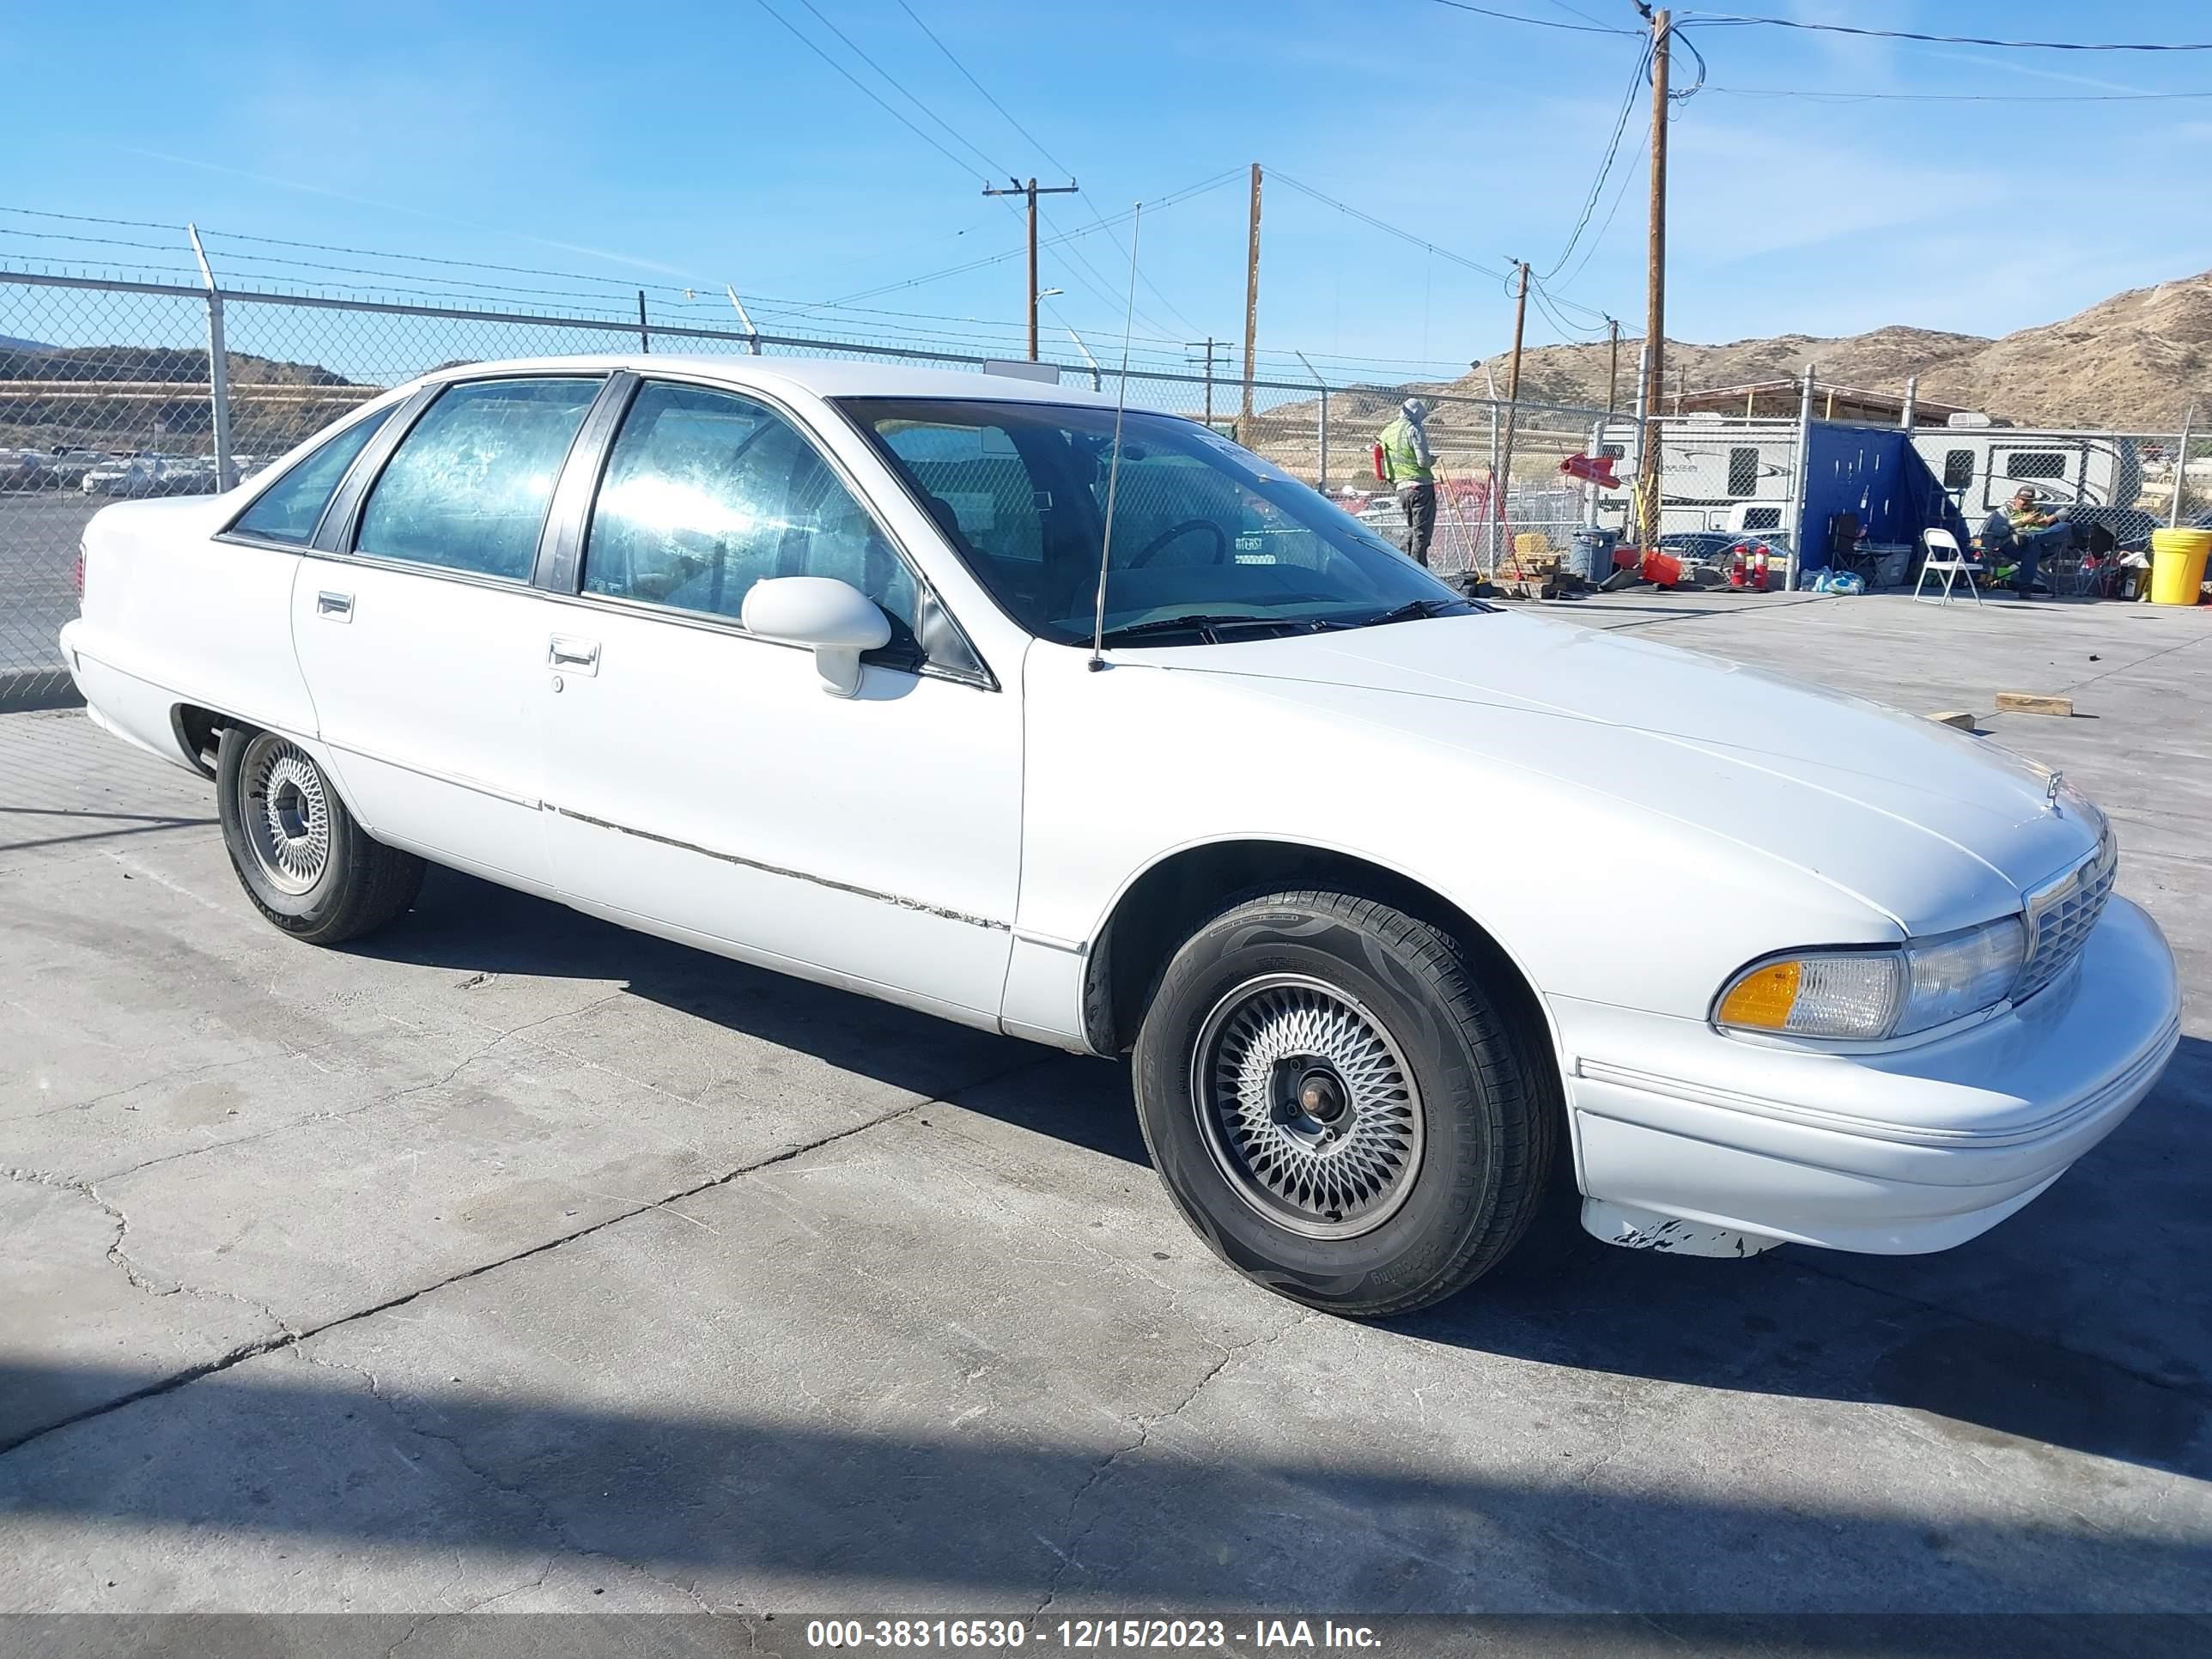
(2135, 360)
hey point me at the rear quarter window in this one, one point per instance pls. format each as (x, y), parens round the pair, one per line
(289, 509)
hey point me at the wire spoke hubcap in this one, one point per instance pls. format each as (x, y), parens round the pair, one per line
(286, 813)
(1306, 1106)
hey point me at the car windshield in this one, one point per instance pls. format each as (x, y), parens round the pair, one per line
(1210, 542)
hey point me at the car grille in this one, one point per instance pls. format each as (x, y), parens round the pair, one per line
(2059, 917)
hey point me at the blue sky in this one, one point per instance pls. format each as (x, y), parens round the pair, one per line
(699, 144)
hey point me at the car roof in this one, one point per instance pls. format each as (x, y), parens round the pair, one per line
(825, 377)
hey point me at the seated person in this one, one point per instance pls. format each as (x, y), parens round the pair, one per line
(2022, 532)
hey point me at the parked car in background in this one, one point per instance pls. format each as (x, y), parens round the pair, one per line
(151, 475)
(814, 664)
(68, 467)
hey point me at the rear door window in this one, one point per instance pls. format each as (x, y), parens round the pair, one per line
(289, 509)
(468, 488)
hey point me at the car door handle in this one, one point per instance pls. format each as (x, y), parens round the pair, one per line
(564, 651)
(336, 607)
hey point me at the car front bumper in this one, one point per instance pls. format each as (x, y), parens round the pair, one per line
(1897, 1152)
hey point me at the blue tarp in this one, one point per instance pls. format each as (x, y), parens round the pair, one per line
(1874, 474)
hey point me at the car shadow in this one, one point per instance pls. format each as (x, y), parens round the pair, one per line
(319, 1465)
(2084, 1321)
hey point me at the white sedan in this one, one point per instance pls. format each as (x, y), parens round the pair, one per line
(1413, 911)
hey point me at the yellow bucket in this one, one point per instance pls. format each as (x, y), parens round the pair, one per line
(2178, 565)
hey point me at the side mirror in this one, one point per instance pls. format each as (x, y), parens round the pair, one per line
(835, 618)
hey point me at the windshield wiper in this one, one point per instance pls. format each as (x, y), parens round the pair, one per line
(1414, 611)
(1206, 624)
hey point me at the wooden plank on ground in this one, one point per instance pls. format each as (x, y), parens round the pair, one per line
(2030, 702)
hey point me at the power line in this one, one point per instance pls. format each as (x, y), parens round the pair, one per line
(1564, 303)
(970, 77)
(1539, 22)
(956, 136)
(86, 219)
(1947, 97)
(1635, 81)
(1058, 165)
(1619, 195)
(1388, 228)
(1169, 200)
(1943, 39)
(1101, 286)
(874, 97)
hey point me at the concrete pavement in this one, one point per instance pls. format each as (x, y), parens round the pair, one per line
(513, 1261)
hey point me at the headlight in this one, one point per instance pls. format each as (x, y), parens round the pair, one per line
(1871, 994)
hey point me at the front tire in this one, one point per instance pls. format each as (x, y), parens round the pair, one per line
(303, 861)
(1340, 1106)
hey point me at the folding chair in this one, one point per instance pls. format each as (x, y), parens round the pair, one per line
(1950, 566)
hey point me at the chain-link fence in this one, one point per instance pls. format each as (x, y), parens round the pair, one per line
(105, 394)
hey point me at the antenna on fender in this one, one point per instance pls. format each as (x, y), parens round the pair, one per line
(1113, 468)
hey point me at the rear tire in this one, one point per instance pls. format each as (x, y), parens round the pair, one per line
(1340, 1106)
(305, 862)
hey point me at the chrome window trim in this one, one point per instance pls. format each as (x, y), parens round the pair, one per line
(439, 572)
(709, 622)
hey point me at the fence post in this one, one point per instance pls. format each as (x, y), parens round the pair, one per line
(1494, 527)
(1098, 377)
(731, 288)
(1911, 413)
(644, 339)
(1321, 480)
(1801, 492)
(225, 471)
(2181, 467)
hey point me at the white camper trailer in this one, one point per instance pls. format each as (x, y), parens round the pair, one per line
(1716, 473)
(1981, 464)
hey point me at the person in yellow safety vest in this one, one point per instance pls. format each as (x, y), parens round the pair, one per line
(1410, 463)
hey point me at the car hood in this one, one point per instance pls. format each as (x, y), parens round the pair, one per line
(1933, 828)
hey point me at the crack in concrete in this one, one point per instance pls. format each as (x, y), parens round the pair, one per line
(290, 1337)
(159, 1078)
(540, 1511)
(121, 1259)
(2130, 667)
(481, 1052)
(1069, 1557)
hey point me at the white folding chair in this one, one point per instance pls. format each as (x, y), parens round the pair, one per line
(1950, 566)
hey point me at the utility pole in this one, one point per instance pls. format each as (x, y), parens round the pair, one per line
(1655, 318)
(1209, 343)
(1032, 192)
(1499, 481)
(1613, 368)
(1520, 318)
(1251, 302)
